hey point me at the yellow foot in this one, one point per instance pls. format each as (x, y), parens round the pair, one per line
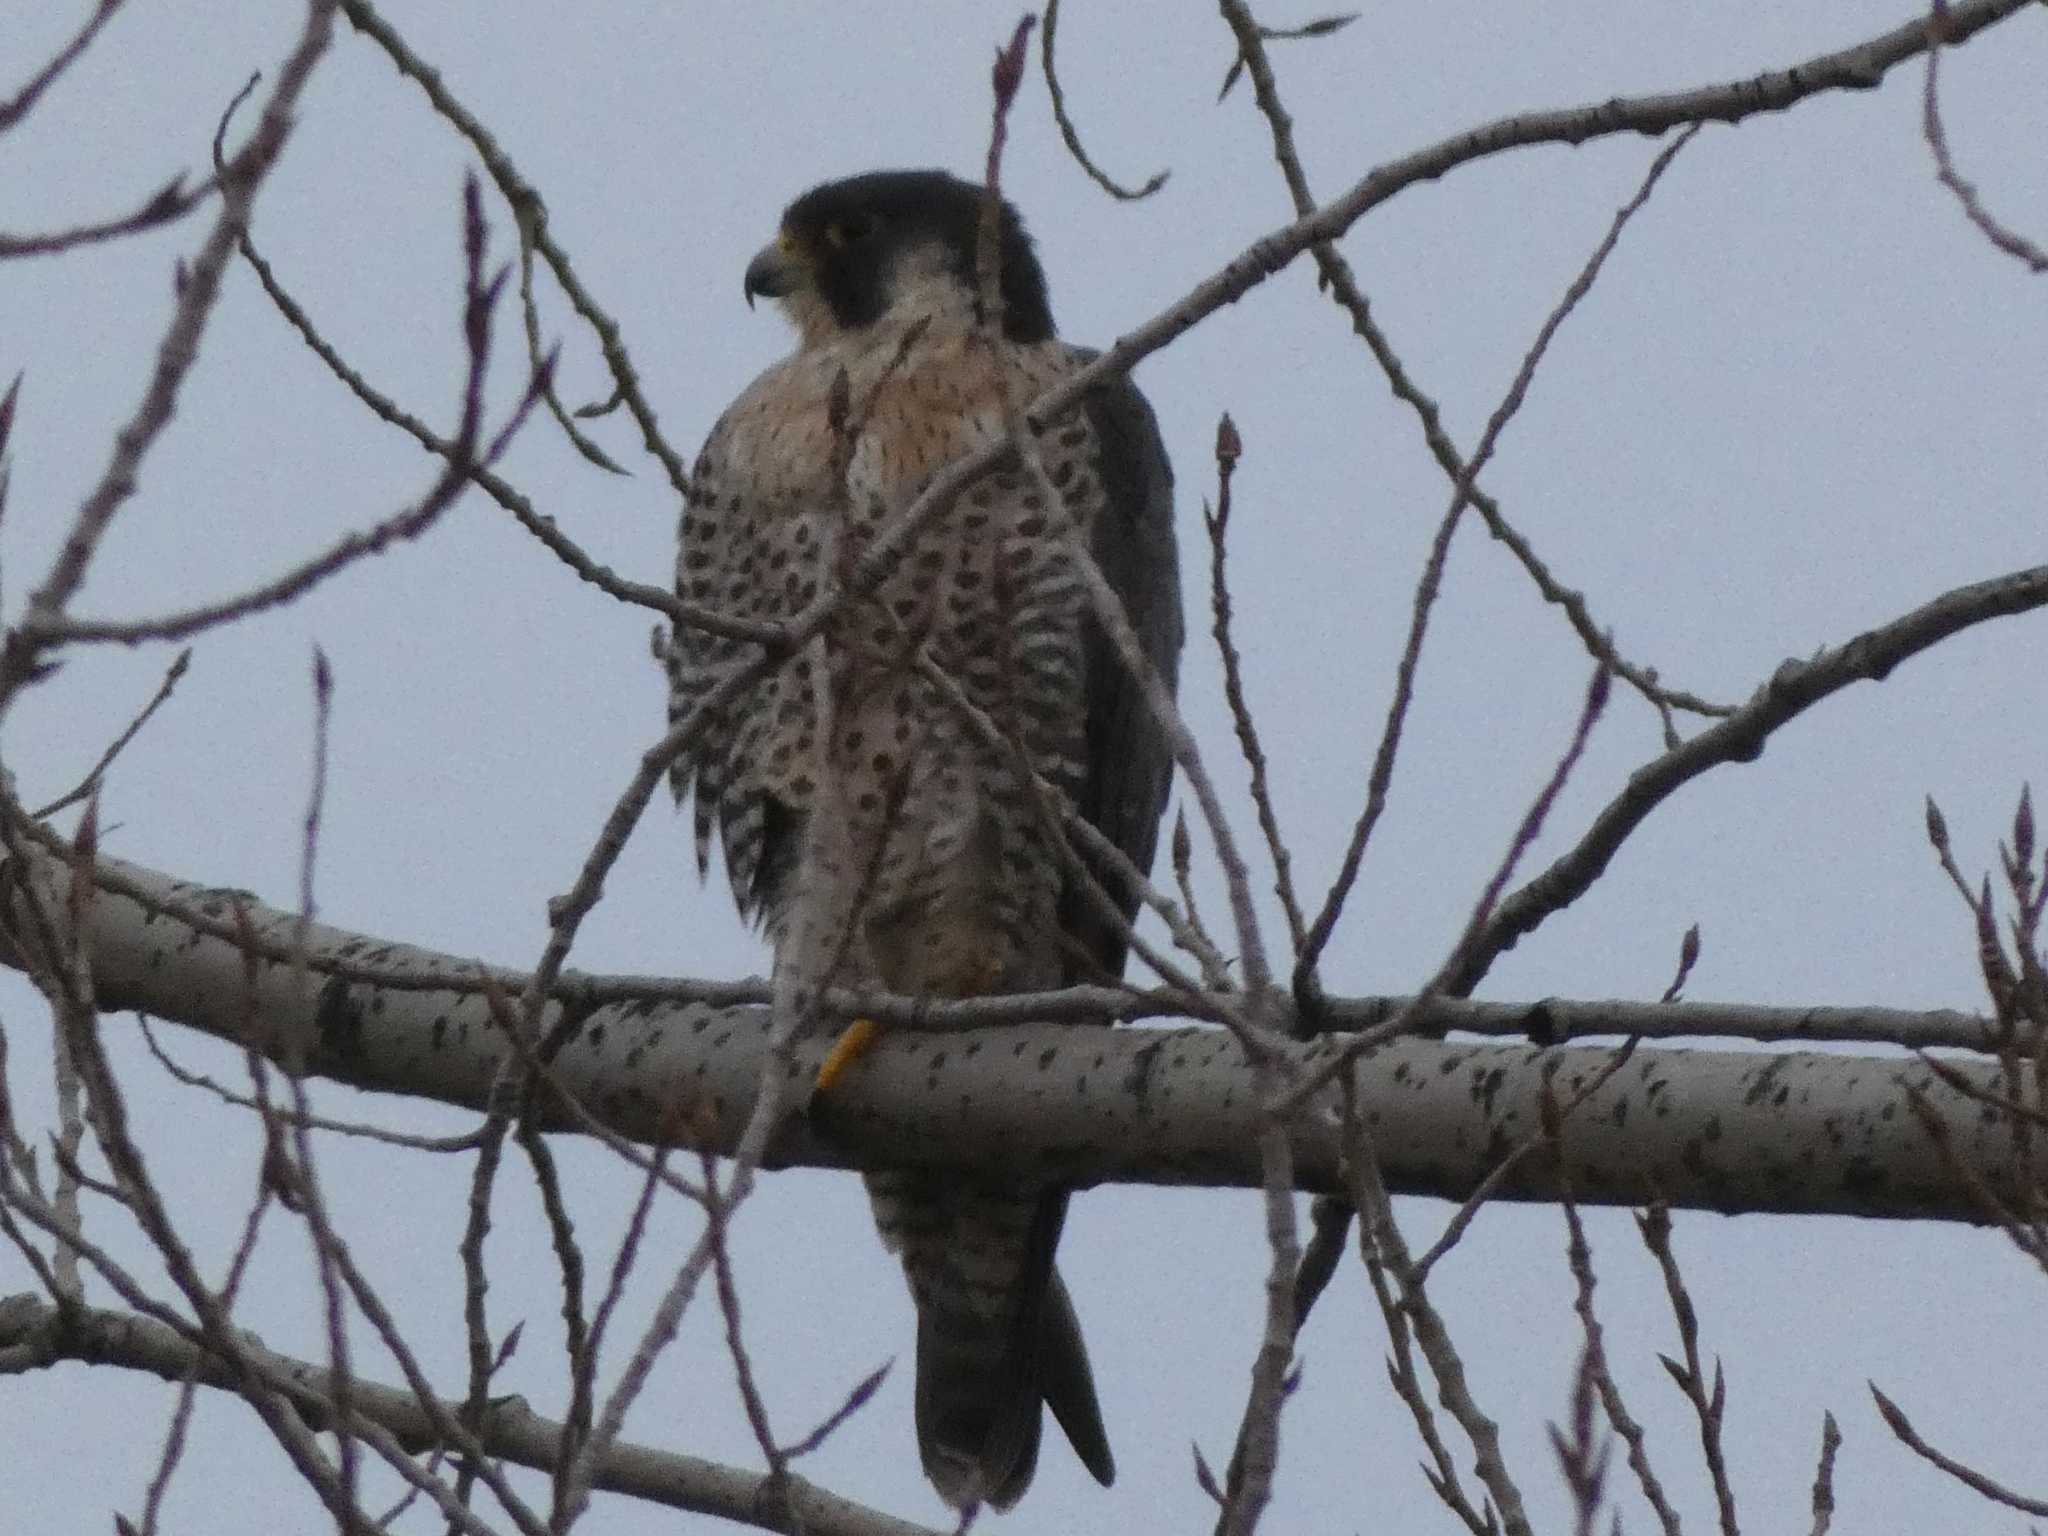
(851, 1045)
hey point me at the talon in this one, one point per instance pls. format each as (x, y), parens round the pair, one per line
(852, 1044)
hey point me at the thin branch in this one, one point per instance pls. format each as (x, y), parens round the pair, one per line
(1335, 275)
(21, 657)
(1229, 448)
(494, 485)
(1482, 909)
(401, 527)
(583, 1373)
(717, 1214)
(510, 1432)
(1250, 1482)
(1072, 135)
(1709, 1404)
(1582, 1450)
(1579, 1255)
(1794, 688)
(1107, 608)
(309, 1200)
(531, 212)
(1824, 1476)
(23, 101)
(547, 1180)
(2001, 235)
(466, 1142)
(1381, 1242)
(1545, 1136)
(1428, 586)
(168, 204)
(476, 1328)
(1896, 1420)
(535, 351)
(89, 785)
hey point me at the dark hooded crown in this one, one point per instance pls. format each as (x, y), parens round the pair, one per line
(853, 230)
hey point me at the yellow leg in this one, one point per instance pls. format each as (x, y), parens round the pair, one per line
(852, 1044)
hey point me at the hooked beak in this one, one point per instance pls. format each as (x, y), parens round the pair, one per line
(775, 272)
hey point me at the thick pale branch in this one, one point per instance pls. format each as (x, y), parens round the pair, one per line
(507, 1430)
(1719, 1130)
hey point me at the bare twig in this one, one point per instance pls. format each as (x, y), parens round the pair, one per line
(494, 485)
(511, 1432)
(531, 212)
(1896, 1420)
(1229, 448)
(535, 351)
(168, 204)
(476, 1324)
(583, 1375)
(1410, 1315)
(568, 1251)
(90, 784)
(1545, 1136)
(1688, 957)
(1482, 909)
(467, 449)
(240, 180)
(1824, 1476)
(1582, 1450)
(1428, 586)
(856, 1399)
(1709, 1404)
(1793, 689)
(466, 1142)
(1107, 607)
(1072, 135)
(23, 101)
(1257, 1457)
(2001, 235)
(169, 1457)
(1334, 273)
(1594, 1365)
(1257, 34)
(716, 1215)
(307, 1198)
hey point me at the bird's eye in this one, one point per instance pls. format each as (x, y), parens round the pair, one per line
(853, 229)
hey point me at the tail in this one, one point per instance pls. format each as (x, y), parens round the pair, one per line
(997, 1339)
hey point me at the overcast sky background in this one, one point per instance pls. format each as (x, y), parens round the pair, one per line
(1805, 397)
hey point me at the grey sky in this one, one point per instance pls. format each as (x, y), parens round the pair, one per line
(1805, 397)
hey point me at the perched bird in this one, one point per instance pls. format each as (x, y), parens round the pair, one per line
(868, 820)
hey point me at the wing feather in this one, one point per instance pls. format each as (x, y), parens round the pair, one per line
(1129, 759)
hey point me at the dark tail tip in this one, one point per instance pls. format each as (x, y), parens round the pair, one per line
(980, 1413)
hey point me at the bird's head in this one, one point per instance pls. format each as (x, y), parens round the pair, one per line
(894, 245)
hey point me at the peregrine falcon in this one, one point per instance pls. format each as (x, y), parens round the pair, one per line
(883, 834)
